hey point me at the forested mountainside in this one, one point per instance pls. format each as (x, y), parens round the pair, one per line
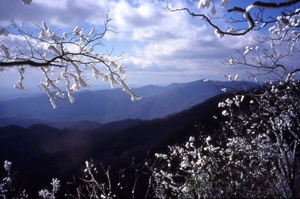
(44, 150)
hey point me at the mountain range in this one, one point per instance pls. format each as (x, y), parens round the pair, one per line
(42, 150)
(92, 109)
(104, 126)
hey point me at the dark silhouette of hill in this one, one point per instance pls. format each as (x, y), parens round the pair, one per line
(80, 125)
(155, 135)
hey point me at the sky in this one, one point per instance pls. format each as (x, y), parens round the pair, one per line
(159, 47)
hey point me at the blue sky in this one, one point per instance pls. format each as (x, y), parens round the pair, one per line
(159, 47)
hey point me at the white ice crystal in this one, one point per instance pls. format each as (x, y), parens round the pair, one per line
(204, 4)
(224, 3)
(248, 49)
(7, 165)
(191, 139)
(218, 33)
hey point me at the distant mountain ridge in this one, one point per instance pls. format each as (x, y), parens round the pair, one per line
(42, 150)
(104, 106)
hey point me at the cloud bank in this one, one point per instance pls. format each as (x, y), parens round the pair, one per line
(159, 46)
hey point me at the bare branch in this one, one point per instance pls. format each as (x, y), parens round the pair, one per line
(246, 13)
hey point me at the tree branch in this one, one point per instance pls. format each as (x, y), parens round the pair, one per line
(245, 12)
(27, 62)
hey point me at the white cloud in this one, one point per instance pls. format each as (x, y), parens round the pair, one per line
(155, 40)
(195, 48)
(60, 13)
(172, 41)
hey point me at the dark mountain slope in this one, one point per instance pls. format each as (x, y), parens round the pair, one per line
(155, 135)
(116, 139)
(84, 125)
(41, 150)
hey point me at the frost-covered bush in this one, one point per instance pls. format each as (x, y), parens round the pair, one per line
(187, 171)
(7, 187)
(256, 155)
(9, 190)
(46, 194)
(90, 186)
(93, 184)
(266, 133)
(208, 171)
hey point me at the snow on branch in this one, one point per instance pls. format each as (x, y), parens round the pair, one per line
(246, 12)
(68, 56)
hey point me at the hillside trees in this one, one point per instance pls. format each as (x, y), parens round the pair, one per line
(256, 154)
(62, 57)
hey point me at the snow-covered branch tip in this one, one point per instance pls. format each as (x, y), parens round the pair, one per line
(68, 57)
(253, 21)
